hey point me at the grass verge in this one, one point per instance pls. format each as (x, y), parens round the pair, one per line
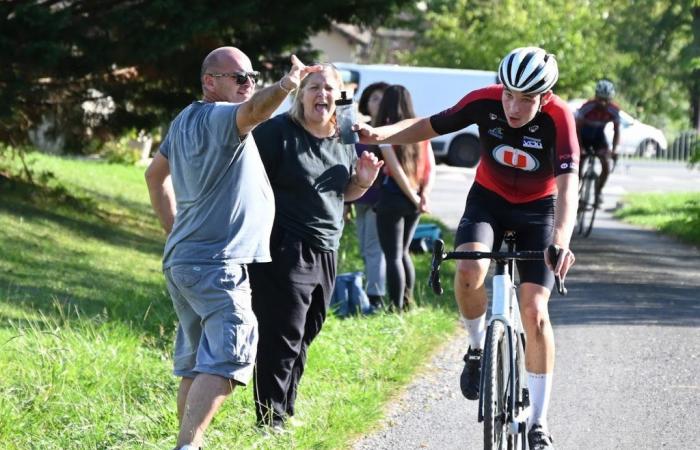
(676, 214)
(86, 328)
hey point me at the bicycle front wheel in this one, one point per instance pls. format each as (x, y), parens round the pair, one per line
(586, 203)
(591, 219)
(495, 388)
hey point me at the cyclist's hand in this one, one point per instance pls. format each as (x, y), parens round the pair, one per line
(563, 264)
(367, 134)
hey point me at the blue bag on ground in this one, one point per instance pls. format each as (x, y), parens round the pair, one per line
(424, 237)
(349, 297)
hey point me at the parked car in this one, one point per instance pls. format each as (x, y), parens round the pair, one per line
(636, 138)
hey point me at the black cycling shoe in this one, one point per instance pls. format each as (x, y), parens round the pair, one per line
(539, 439)
(471, 374)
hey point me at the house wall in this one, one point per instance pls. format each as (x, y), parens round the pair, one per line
(334, 47)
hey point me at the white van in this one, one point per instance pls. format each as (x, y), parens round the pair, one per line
(433, 90)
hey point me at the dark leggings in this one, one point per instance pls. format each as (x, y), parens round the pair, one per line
(397, 219)
(290, 299)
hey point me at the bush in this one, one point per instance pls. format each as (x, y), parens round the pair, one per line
(131, 148)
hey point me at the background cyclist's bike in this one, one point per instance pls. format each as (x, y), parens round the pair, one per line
(587, 203)
(504, 399)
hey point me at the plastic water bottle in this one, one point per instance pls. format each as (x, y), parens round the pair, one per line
(346, 115)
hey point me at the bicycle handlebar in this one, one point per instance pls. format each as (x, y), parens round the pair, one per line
(439, 256)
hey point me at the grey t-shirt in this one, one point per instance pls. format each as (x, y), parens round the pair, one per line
(309, 176)
(225, 205)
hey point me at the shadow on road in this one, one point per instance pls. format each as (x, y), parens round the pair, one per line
(631, 277)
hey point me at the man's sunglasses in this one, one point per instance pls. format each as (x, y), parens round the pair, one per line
(240, 77)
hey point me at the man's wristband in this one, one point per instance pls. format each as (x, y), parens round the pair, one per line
(279, 83)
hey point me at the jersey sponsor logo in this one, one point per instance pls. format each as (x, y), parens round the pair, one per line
(514, 157)
(492, 116)
(496, 132)
(531, 142)
(533, 128)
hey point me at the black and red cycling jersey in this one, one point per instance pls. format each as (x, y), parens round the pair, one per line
(596, 114)
(519, 164)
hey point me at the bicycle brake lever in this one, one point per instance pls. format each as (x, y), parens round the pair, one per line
(434, 280)
(554, 253)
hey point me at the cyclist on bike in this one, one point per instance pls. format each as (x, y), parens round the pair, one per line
(527, 182)
(591, 120)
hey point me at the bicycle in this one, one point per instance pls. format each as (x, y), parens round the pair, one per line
(586, 192)
(504, 400)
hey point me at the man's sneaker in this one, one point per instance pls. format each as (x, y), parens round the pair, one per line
(539, 439)
(471, 375)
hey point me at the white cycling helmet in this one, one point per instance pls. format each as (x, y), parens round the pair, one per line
(604, 89)
(529, 70)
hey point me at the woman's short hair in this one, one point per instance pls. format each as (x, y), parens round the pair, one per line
(296, 111)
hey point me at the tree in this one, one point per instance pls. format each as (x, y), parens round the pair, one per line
(660, 60)
(145, 55)
(476, 34)
(649, 48)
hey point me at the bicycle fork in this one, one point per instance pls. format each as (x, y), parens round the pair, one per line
(504, 308)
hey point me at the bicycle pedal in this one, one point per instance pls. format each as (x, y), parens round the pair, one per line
(517, 427)
(526, 398)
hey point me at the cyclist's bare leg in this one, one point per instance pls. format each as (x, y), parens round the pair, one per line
(471, 300)
(469, 282)
(604, 171)
(582, 165)
(539, 355)
(539, 352)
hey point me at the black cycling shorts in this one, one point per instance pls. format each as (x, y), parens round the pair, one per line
(487, 216)
(593, 137)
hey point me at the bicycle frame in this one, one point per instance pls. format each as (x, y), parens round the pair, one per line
(504, 309)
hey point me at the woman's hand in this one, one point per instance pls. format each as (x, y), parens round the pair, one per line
(423, 206)
(367, 168)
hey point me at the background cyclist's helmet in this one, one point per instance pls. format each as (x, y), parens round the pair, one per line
(604, 89)
(529, 70)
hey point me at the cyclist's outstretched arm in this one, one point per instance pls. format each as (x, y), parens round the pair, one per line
(407, 131)
(564, 220)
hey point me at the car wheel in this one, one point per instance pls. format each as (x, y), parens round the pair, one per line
(464, 151)
(649, 148)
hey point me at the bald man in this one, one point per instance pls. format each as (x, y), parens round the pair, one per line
(209, 189)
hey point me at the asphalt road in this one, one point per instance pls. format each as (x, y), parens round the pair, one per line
(628, 340)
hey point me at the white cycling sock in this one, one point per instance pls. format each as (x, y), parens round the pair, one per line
(540, 387)
(476, 328)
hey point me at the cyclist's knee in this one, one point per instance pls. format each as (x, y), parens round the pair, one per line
(534, 313)
(470, 274)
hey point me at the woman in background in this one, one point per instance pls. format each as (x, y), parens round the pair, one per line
(365, 217)
(409, 174)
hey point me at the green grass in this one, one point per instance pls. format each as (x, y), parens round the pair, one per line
(676, 214)
(86, 328)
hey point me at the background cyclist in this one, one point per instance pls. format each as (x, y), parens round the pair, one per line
(591, 120)
(526, 181)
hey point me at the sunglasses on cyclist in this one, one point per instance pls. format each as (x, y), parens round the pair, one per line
(239, 77)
